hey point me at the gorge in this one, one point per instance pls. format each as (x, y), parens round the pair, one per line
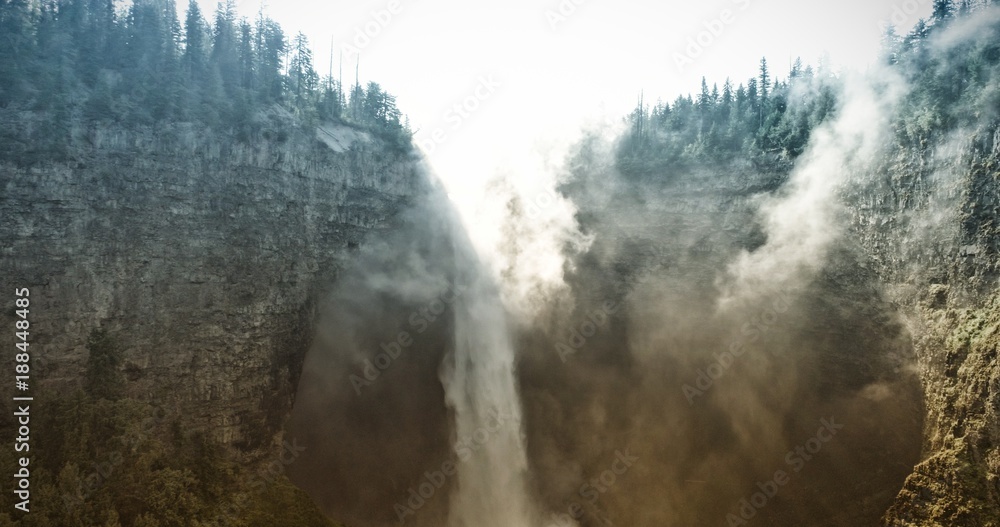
(770, 305)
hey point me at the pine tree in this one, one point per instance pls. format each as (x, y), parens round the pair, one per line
(741, 101)
(944, 10)
(356, 103)
(270, 47)
(796, 71)
(194, 46)
(224, 54)
(890, 45)
(142, 65)
(97, 42)
(301, 72)
(765, 81)
(704, 98)
(247, 56)
(915, 38)
(170, 77)
(332, 100)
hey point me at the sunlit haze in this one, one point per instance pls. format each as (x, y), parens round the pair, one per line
(520, 263)
(504, 87)
(431, 53)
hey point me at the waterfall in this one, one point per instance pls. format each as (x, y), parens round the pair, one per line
(481, 390)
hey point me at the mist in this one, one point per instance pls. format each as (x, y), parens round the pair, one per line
(568, 343)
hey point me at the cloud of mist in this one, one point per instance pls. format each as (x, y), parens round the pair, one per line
(742, 318)
(502, 177)
(725, 352)
(804, 219)
(369, 408)
(931, 192)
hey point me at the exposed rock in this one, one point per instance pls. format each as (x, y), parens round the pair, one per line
(930, 224)
(201, 255)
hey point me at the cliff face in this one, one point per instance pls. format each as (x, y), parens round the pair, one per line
(930, 227)
(204, 258)
(899, 315)
(201, 256)
(716, 366)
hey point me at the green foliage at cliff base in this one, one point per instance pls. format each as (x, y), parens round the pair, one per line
(96, 462)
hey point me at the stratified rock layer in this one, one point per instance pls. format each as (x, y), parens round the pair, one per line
(201, 255)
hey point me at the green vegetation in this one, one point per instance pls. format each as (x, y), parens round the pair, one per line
(100, 459)
(106, 463)
(768, 120)
(77, 63)
(753, 120)
(70, 67)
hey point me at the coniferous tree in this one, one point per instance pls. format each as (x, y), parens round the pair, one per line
(943, 11)
(270, 48)
(170, 76)
(765, 81)
(356, 103)
(301, 72)
(796, 71)
(224, 55)
(332, 100)
(69, 60)
(247, 56)
(194, 47)
(891, 43)
(753, 101)
(97, 39)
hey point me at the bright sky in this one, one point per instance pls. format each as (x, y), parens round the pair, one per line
(430, 53)
(558, 60)
(528, 72)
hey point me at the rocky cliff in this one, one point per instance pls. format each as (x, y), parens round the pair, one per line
(202, 256)
(893, 328)
(930, 226)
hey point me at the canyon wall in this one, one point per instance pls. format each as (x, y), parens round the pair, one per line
(930, 226)
(202, 256)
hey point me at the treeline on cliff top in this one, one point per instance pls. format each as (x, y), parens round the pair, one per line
(768, 120)
(139, 64)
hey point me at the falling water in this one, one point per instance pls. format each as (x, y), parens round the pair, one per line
(481, 389)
